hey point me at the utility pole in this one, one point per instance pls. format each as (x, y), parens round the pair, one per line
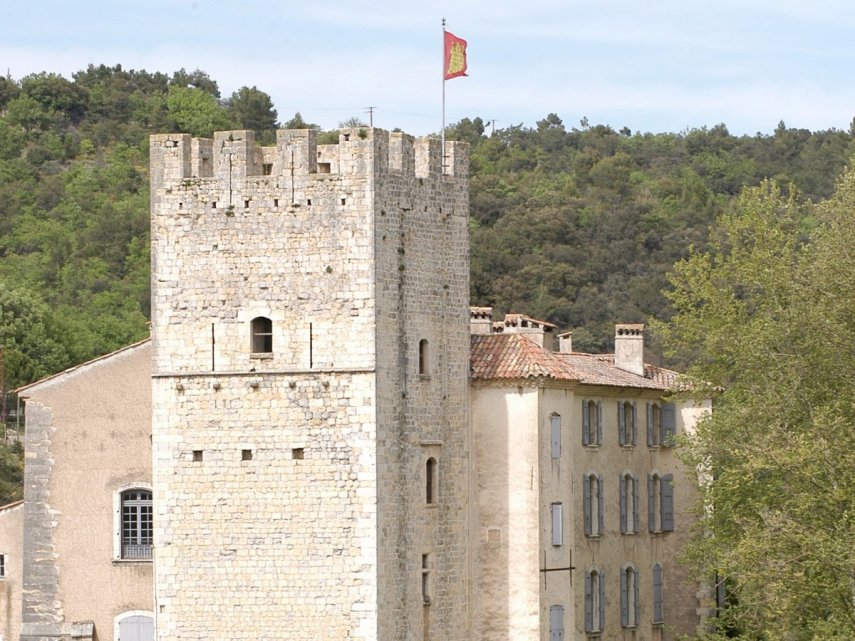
(370, 111)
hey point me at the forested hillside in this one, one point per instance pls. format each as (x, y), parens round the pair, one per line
(574, 225)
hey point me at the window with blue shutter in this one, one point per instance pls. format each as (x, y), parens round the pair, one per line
(599, 423)
(658, 604)
(634, 432)
(624, 505)
(621, 422)
(652, 500)
(601, 602)
(600, 511)
(557, 524)
(586, 504)
(555, 435)
(669, 424)
(667, 502)
(586, 423)
(650, 441)
(589, 602)
(635, 505)
(595, 601)
(624, 599)
(556, 623)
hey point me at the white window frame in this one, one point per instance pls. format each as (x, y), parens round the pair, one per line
(117, 520)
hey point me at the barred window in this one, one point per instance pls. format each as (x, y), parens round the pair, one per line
(136, 524)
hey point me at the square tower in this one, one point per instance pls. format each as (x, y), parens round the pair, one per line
(310, 376)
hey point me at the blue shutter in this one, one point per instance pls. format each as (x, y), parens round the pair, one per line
(624, 601)
(557, 524)
(589, 604)
(650, 441)
(621, 424)
(634, 432)
(586, 503)
(669, 424)
(667, 502)
(623, 498)
(657, 594)
(651, 505)
(637, 613)
(599, 422)
(600, 516)
(586, 426)
(555, 435)
(602, 576)
(556, 623)
(636, 505)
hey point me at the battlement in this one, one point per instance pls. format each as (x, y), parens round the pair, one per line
(234, 155)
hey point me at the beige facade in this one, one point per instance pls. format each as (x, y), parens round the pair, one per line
(548, 442)
(87, 440)
(11, 568)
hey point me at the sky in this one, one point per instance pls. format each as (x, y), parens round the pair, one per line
(652, 66)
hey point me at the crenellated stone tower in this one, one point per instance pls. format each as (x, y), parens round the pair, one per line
(310, 419)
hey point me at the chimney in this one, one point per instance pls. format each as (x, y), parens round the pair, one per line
(565, 343)
(629, 348)
(480, 320)
(540, 332)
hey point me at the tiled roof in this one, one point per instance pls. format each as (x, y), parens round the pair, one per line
(509, 356)
(515, 356)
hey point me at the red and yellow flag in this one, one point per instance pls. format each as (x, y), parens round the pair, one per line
(455, 56)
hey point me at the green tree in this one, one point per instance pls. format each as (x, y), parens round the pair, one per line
(253, 109)
(195, 111)
(766, 316)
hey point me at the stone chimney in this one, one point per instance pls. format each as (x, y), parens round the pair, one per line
(565, 343)
(540, 332)
(480, 320)
(629, 348)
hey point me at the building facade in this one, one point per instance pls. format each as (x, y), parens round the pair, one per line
(583, 505)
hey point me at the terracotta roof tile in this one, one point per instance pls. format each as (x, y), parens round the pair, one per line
(515, 356)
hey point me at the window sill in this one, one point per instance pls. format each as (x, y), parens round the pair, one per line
(424, 377)
(261, 356)
(592, 537)
(130, 561)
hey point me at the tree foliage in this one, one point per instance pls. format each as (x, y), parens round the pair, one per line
(766, 313)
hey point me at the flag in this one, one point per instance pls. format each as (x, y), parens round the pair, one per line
(455, 57)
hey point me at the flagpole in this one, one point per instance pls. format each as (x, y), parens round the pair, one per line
(442, 135)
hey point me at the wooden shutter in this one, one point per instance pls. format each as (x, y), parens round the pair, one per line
(636, 620)
(556, 623)
(599, 423)
(624, 600)
(602, 575)
(589, 604)
(555, 435)
(667, 502)
(600, 516)
(634, 432)
(557, 524)
(586, 503)
(669, 424)
(650, 441)
(651, 505)
(657, 594)
(586, 426)
(623, 503)
(621, 423)
(636, 505)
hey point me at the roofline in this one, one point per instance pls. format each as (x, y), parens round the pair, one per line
(11, 505)
(70, 370)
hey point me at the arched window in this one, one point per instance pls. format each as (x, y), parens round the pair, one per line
(595, 601)
(135, 625)
(424, 357)
(628, 503)
(658, 609)
(136, 524)
(592, 490)
(430, 481)
(262, 335)
(592, 422)
(629, 605)
(627, 423)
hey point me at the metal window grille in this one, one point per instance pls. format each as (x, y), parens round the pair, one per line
(136, 524)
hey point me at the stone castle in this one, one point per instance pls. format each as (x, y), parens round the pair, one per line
(322, 441)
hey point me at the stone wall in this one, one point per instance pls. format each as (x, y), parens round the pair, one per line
(289, 484)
